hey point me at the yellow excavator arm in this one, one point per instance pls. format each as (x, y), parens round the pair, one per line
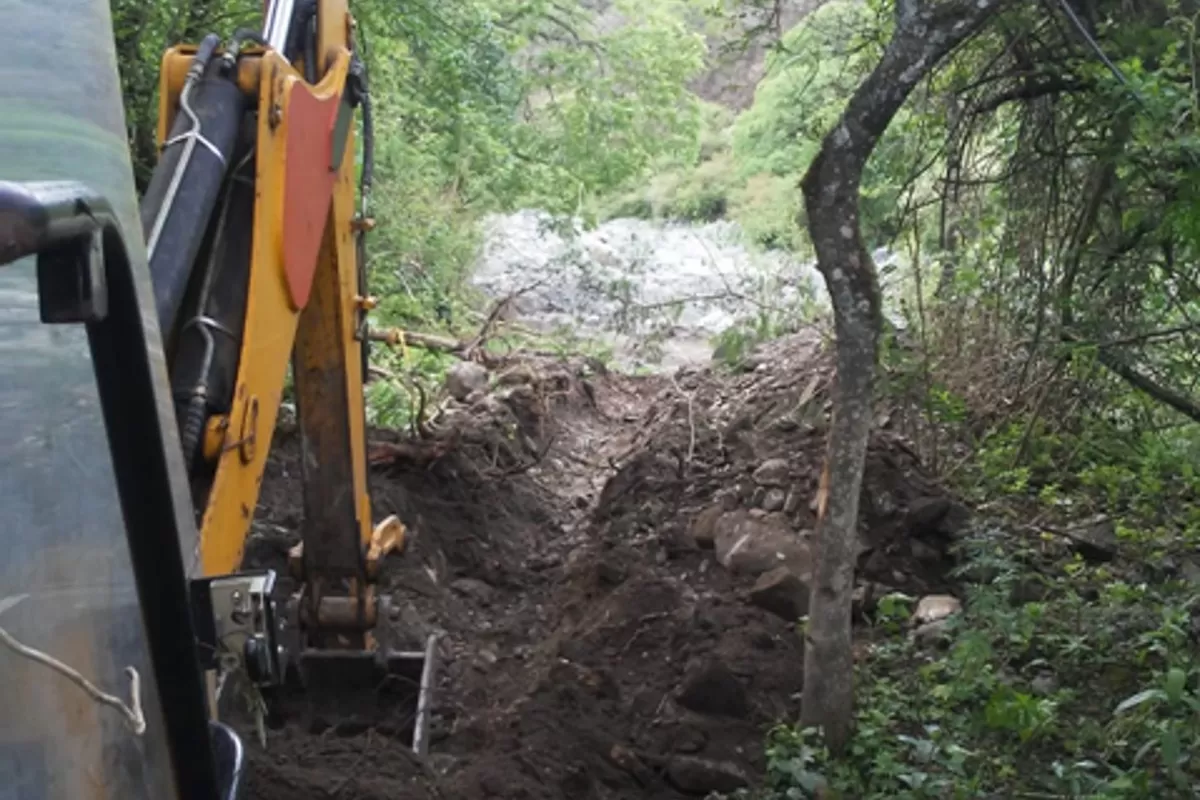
(253, 228)
(303, 294)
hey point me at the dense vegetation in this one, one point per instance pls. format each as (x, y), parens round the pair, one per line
(1041, 188)
(479, 106)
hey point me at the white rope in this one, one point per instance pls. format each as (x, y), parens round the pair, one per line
(133, 714)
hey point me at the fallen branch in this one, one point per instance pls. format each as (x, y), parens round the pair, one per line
(691, 420)
(419, 453)
(1117, 364)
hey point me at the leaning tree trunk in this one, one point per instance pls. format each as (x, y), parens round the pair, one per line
(925, 34)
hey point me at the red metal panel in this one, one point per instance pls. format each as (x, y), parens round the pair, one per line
(308, 186)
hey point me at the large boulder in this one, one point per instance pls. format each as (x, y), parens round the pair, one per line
(751, 542)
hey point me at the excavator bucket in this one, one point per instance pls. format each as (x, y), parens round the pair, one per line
(334, 676)
(389, 692)
(382, 682)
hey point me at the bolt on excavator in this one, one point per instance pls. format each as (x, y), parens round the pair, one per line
(144, 356)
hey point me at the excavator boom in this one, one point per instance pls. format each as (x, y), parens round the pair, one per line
(146, 361)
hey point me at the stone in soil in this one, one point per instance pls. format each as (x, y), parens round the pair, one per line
(1095, 539)
(703, 528)
(773, 473)
(652, 649)
(710, 687)
(701, 776)
(782, 593)
(773, 500)
(755, 543)
(936, 607)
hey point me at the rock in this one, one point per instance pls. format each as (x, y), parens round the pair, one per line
(1095, 539)
(702, 776)
(466, 377)
(610, 573)
(932, 632)
(877, 564)
(794, 500)
(541, 563)
(774, 472)
(752, 544)
(760, 494)
(519, 374)
(925, 552)
(473, 588)
(728, 500)
(956, 521)
(1044, 685)
(703, 528)
(441, 763)
(712, 688)
(629, 761)
(782, 593)
(773, 500)
(925, 513)
(934, 607)
(688, 740)
(878, 493)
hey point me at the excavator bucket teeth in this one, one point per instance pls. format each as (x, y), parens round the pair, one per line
(352, 691)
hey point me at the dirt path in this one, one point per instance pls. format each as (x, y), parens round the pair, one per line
(610, 562)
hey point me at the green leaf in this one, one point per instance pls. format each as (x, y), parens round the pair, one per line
(1170, 749)
(1176, 680)
(1138, 699)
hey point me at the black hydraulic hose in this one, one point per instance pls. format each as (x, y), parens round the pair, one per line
(310, 49)
(367, 179)
(204, 53)
(192, 426)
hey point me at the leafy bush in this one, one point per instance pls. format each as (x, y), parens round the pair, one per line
(1060, 679)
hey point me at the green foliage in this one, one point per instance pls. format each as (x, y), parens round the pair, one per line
(479, 106)
(748, 168)
(819, 64)
(1087, 688)
(142, 29)
(694, 195)
(692, 184)
(767, 207)
(807, 84)
(1144, 475)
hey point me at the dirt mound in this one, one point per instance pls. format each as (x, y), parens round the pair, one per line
(597, 552)
(716, 450)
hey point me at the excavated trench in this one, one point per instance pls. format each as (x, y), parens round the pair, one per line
(612, 564)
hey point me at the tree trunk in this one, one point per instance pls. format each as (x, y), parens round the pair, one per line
(924, 35)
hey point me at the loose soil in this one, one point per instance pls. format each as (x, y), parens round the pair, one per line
(592, 644)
